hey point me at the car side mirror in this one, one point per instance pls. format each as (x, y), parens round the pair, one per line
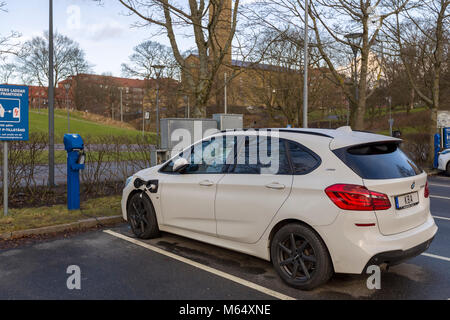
(180, 165)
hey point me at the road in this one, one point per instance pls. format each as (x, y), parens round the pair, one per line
(114, 265)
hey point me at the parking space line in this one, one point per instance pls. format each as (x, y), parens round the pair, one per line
(216, 272)
(435, 256)
(440, 197)
(438, 185)
(443, 218)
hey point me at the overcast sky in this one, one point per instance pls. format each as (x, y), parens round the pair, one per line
(105, 32)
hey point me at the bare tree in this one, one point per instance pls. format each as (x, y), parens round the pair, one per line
(145, 56)
(331, 21)
(279, 79)
(420, 37)
(8, 43)
(33, 59)
(368, 17)
(98, 94)
(7, 72)
(212, 35)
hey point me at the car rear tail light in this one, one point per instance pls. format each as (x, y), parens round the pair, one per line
(365, 224)
(357, 198)
(427, 191)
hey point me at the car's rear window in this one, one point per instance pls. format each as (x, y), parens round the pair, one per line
(378, 161)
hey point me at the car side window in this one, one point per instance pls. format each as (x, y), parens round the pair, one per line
(303, 160)
(208, 156)
(262, 156)
(211, 157)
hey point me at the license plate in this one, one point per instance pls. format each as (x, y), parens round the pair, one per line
(407, 200)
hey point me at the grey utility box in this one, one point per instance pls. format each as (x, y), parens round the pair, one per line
(194, 128)
(229, 121)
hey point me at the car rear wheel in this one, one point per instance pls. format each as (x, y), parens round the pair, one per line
(300, 257)
(142, 217)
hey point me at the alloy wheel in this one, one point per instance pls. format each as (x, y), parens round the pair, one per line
(138, 215)
(296, 257)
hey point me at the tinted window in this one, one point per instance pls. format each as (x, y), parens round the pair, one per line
(378, 161)
(303, 160)
(266, 156)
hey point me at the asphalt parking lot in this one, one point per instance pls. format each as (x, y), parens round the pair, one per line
(114, 265)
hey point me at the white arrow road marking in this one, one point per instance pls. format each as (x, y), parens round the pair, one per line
(216, 272)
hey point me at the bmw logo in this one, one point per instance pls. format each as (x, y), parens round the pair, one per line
(413, 185)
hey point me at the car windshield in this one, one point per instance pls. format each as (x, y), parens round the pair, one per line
(378, 161)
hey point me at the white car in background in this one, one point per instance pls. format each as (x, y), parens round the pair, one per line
(339, 201)
(444, 161)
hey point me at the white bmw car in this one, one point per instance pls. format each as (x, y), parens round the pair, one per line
(312, 201)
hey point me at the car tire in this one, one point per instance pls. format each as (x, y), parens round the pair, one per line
(448, 169)
(141, 216)
(300, 257)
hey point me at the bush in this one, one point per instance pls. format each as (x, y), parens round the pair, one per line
(417, 147)
(109, 161)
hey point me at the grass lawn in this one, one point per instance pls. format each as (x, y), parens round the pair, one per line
(30, 218)
(316, 115)
(404, 130)
(39, 123)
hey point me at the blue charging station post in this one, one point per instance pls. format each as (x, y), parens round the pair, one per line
(437, 149)
(74, 146)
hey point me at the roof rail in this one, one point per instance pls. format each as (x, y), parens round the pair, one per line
(306, 132)
(282, 130)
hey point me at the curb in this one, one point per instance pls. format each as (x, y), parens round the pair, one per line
(433, 172)
(81, 224)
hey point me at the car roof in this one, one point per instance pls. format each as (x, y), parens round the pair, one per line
(340, 138)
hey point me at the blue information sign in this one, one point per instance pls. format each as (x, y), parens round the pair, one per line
(446, 138)
(13, 113)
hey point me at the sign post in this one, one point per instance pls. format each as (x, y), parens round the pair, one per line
(13, 125)
(5, 178)
(443, 119)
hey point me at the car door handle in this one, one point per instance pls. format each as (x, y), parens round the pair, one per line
(276, 186)
(206, 183)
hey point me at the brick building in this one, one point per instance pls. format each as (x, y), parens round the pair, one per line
(38, 98)
(108, 95)
(102, 95)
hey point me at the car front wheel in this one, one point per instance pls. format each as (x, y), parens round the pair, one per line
(300, 257)
(142, 217)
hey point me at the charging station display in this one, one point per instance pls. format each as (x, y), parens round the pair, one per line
(14, 113)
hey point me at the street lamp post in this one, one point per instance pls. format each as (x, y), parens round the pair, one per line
(226, 94)
(354, 40)
(158, 70)
(305, 80)
(121, 104)
(391, 120)
(51, 94)
(67, 87)
(186, 100)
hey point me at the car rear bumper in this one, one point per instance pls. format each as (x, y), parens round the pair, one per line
(352, 248)
(394, 257)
